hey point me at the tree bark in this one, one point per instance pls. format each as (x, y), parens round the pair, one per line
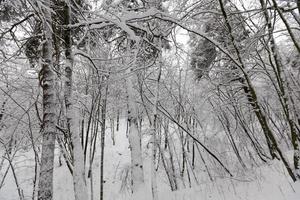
(134, 136)
(79, 178)
(45, 186)
(103, 128)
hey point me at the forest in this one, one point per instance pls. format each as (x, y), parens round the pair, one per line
(149, 99)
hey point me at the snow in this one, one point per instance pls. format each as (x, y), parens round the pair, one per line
(269, 182)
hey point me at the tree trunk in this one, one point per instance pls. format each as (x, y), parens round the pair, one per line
(45, 186)
(155, 130)
(134, 135)
(103, 128)
(283, 96)
(79, 179)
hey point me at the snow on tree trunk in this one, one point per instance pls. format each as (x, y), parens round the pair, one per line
(137, 172)
(80, 188)
(154, 142)
(155, 131)
(79, 181)
(79, 178)
(103, 128)
(284, 96)
(296, 155)
(45, 186)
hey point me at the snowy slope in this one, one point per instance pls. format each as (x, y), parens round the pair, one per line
(269, 182)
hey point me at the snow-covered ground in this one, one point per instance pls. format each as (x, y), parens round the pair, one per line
(268, 182)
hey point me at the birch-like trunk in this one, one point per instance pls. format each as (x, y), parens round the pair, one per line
(137, 172)
(45, 186)
(79, 178)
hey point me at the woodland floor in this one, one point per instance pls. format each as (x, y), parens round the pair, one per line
(268, 182)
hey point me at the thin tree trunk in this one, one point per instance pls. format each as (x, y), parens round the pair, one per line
(283, 96)
(155, 133)
(253, 100)
(79, 178)
(118, 120)
(103, 120)
(112, 128)
(134, 135)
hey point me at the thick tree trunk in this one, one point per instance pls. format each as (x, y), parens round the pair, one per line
(45, 186)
